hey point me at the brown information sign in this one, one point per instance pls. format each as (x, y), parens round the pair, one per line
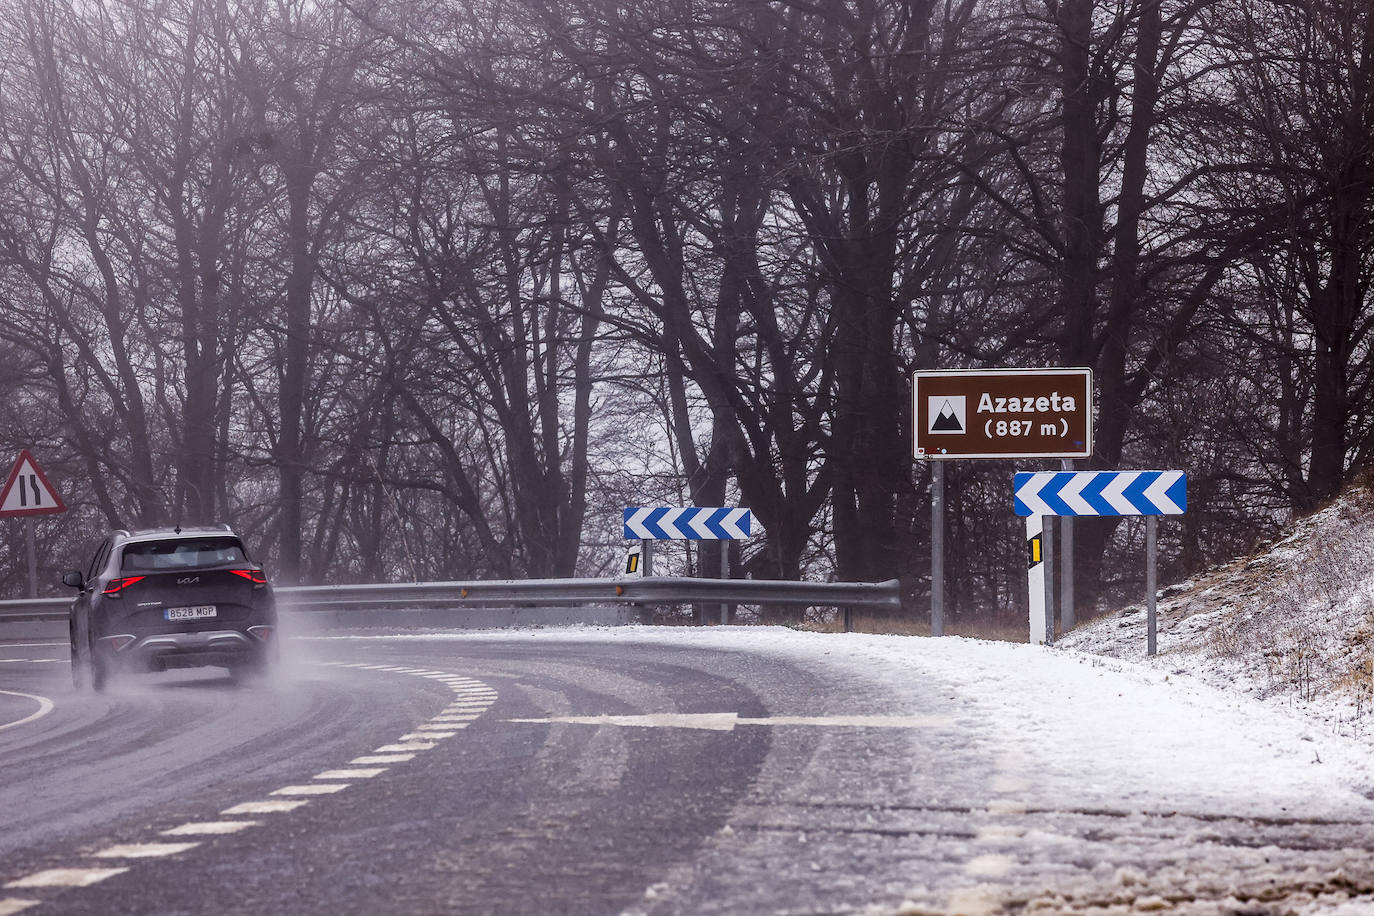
(1003, 413)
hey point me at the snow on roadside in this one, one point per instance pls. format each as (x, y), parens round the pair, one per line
(1291, 627)
(1102, 731)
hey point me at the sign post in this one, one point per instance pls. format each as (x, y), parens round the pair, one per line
(1066, 611)
(995, 413)
(1150, 586)
(28, 493)
(937, 549)
(1070, 493)
(695, 523)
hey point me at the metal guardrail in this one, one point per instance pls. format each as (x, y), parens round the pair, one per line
(25, 609)
(650, 591)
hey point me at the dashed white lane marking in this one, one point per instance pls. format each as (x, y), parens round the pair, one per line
(314, 788)
(381, 758)
(29, 661)
(32, 645)
(357, 773)
(210, 828)
(45, 706)
(471, 699)
(67, 877)
(274, 806)
(144, 850)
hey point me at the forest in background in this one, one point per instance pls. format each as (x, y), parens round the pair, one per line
(432, 290)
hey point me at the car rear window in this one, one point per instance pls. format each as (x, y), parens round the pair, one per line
(182, 553)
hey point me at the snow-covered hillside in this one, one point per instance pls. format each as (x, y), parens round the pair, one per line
(1292, 626)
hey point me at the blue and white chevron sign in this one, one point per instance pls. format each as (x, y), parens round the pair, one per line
(1101, 493)
(695, 523)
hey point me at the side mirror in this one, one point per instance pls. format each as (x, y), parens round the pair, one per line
(72, 579)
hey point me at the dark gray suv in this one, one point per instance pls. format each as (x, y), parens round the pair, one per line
(170, 598)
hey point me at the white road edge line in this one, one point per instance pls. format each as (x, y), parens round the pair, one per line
(45, 706)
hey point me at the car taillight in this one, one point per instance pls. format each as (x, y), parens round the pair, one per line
(262, 633)
(252, 575)
(118, 585)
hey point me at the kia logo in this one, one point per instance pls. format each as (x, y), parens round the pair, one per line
(190, 581)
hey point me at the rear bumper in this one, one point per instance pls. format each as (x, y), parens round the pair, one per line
(224, 648)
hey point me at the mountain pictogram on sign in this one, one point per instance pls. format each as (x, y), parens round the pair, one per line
(27, 491)
(946, 414)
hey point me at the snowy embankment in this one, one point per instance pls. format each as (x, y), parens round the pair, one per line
(1291, 628)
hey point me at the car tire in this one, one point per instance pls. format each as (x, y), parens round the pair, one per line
(80, 676)
(252, 672)
(100, 673)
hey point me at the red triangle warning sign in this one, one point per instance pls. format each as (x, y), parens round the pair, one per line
(27, 492)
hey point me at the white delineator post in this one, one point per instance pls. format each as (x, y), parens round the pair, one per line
(1035, 577)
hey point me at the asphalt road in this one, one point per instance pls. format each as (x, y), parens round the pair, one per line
(442, 776)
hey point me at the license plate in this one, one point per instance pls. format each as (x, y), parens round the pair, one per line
(190, 613)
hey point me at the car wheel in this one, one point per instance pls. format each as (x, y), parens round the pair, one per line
(257, 669)
(248, 672)
(80, 677)
(100, 674)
